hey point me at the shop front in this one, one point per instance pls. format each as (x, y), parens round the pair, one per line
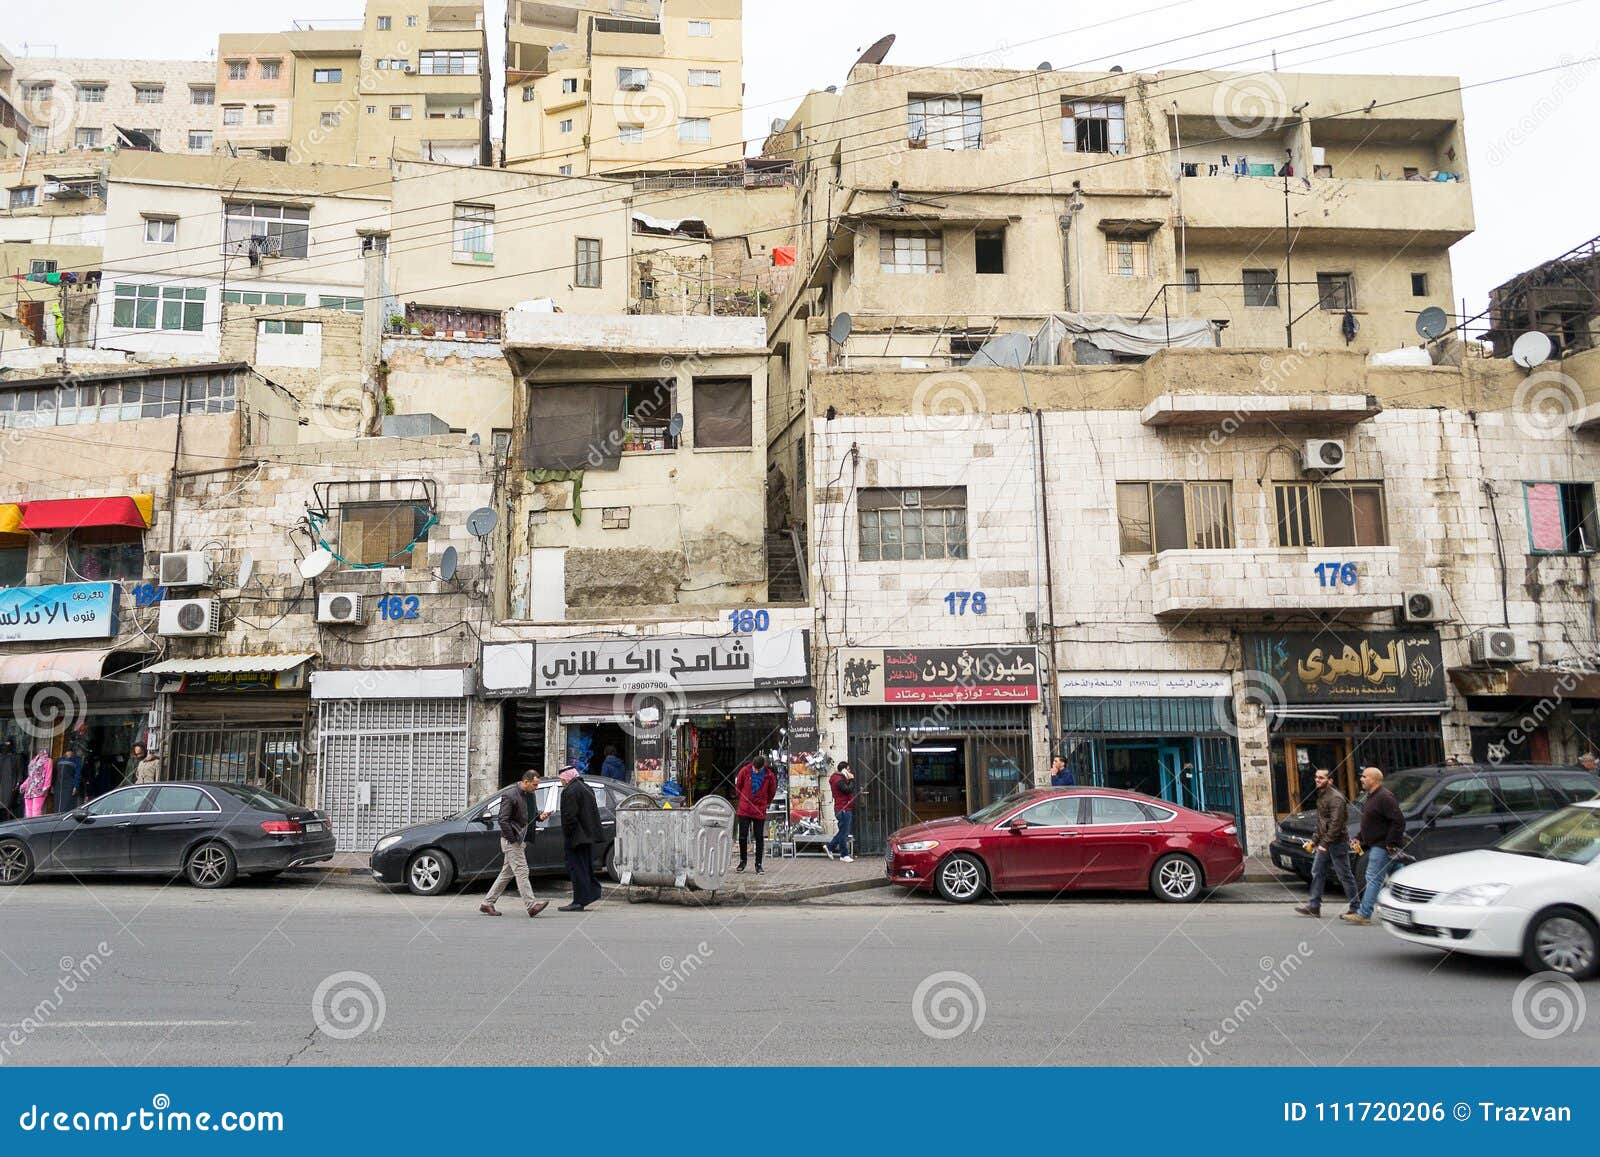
(1168, 734)
(935, 731)
(237, 719)
(1530, 714)
(1344, 699)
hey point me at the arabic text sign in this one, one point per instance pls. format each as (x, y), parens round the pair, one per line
(939, 675)
(68, 611)
(1136, 684)
(1352, 666)
(776, 659)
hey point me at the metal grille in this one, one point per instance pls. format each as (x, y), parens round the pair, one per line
(1392, 742)
(1175, 715)
(269, 757)
(387, 763)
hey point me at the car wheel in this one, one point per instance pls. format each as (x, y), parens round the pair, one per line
(1563, 940)
(16, 863)
(610, 867)
(430, 872)
(1175, 879)
(961, 879)
(211, 866)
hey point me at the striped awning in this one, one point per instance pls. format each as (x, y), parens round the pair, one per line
(232, 664)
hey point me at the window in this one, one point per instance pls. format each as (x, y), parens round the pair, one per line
(1574, 785)
(1157, 516)
(238, 69)
(566, 125)
(501, 441)
(1419, 285)
(634, 79)
(1336, 291)
(1093, 126)
(265, 114)
(474, 233)
(86, 139)
(160, 230)
(699, 28)
(199, 141)
(202, 94)
(121, 803)
(945, 122)
(722, 414)
(329, 120)
(42, 265)
(327, 75)
(347, 304)
(1128, 256)
(39, 136)
(170, 307)
(1329, 514)
(374, 243)
(272, 69)
(587, 263)
(411, 21)
(372, 110)
(694, 130)
(1561, 517)
(232, 115)
(399, 112)
(1261, 287)
(275, 230)
(565, 170)
(989, 252)
(1523, 793)
(448, 62)
(24, 197)
(1468, 797)
(384, 533)
(1109, 809)
(181, 798)
(149, 93)
(528, 94)
(13, 566)
(1063, 812)
(384, 23)
(105, 554)
(37, 92)
(630, 134)
(913, 524)
(705, 78)
(91, 94)
(904, 252)
(1191, 281)
(569, 84)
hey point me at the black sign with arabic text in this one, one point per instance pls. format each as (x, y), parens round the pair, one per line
(1354, 667)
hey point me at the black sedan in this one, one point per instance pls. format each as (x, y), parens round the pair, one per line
(428, 858)
(210, 833)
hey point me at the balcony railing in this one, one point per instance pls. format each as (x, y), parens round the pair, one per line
(1247, 581)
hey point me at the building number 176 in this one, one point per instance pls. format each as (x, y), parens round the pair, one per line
(1336, 574)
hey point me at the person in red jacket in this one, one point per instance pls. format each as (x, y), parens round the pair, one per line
(756, 784)
(842, 783)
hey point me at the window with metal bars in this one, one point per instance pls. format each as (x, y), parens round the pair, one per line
(1128, 257)
(1329, 514)
(1157, 516)
(898, 525)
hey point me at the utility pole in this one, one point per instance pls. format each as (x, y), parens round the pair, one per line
(371, 417)
(1288, 268)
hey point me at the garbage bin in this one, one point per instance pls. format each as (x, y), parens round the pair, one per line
(674, 847)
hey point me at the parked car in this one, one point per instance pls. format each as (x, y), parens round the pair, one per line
(1056, 839)
(427, 858)
(1451, 808)
(209, 832)
(1535, 895)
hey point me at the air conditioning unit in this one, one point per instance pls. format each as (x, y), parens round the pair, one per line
(186, 568)
(1422, 607)
(1498, 645)
(1321, 455)
(341, 608)
(182, 618)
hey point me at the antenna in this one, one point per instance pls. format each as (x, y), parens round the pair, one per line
(675, 426)
(839, 331)
(315, 564)
(876, 52)
(247, 569)
(447, 564)
(1531, 349)
(1432, 322)
(482, 521)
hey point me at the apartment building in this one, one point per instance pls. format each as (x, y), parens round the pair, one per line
(14, 127)
(52, 227)
(78, 103)
(635, 86)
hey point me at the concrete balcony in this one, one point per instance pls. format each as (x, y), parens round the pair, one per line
(1432, 212)
(1271, 411)
(1233, 583)
(532, 333)
(613, 37)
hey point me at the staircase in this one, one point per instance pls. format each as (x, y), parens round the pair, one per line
(786, 566)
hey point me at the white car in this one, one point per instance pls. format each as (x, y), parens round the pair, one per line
(1535, 895)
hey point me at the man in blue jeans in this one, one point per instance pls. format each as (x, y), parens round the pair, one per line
(1383, 834)
(842, 783)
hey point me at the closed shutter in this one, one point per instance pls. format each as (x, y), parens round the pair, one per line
(387, 763)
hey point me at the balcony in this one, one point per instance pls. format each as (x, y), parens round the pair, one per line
(1427, 212)
(455, 18)
(1270, 411)
(613, 37)
(1232, 583)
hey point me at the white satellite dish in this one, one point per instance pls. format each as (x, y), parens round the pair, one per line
(247, 568)
(1531, 349)
(447, 564)
(316, 563)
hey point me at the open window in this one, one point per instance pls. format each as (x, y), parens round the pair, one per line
(989, 251)
(1157, 516)
(105, 554)
(1089, 126)
(1329, 514)
(1561, 517)
(589, 426)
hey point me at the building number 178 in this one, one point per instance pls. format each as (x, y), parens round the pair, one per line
(960, 602)
(1336, 574)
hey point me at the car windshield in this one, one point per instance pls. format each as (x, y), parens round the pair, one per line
(1409, 787)
(259, 797)
(1571, 835)
(994, 810)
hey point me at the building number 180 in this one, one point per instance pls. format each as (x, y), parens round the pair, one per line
(1336, 574)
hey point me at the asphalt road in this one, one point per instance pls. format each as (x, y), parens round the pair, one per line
(133, 973)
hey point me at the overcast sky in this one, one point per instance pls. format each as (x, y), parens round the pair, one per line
(1533, 162)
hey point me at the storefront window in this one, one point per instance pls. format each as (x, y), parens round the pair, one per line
(13, 566)
(105, 554)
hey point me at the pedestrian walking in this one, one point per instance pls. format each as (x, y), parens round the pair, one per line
(144, 765)
(1060, 774)
(68, 768)
(1331, 845)
(515, 827)
(36, 786)
(612, 766)
(1383, 834)
(10, 777)
(842, 784)
(580, 832)
(756, 784)
(1588, 762)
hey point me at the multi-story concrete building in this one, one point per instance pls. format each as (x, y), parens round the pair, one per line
(78, 103)
(642, 85)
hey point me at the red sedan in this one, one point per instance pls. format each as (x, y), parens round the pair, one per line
(1056, 839)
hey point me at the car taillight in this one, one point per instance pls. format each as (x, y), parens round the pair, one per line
(281, 827)
(1229, 829)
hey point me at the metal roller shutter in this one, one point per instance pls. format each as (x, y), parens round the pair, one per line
(387, 763)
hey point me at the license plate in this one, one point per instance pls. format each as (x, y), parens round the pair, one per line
(1400, 916)
(313, 827)
(1280, 859)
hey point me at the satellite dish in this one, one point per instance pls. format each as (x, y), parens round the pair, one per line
(447, 564)
(482, 521)
(316, 563)
(247, 568)
(1008, 349)
(876, 53)
(839, 331)
(1432, 322)
(1045, 66)
(1531, 349)
(778, 124)
(675, 427)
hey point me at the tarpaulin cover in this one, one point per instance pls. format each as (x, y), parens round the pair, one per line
(783, 255)
(1117, 333)
(75, 513)
(575, 427)
(722, 414)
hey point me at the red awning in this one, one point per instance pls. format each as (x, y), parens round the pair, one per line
(73, 513)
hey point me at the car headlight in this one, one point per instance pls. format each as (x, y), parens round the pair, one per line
(917, 846)
(1477, 895)
(386, 842)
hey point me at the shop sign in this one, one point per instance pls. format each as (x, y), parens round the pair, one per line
(293, 679)
(1138, 684)
(67, 611)
(802, 724)
(1352, 667)
(586, 666)
(938, 675)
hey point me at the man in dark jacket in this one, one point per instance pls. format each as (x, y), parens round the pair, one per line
(10, 777)
(580, 832)
(1060, 774)
(756, 784)
(1383, 834)
(1331, 845)
(515, 827)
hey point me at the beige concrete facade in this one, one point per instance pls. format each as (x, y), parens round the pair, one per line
(79, 103)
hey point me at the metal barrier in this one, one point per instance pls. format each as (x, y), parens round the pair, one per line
(674, 847)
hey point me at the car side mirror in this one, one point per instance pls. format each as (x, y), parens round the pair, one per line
(81, 815)
(1442, 813)
(1018, 826)
(486, 821)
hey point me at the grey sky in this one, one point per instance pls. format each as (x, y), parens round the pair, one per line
(1532, 171)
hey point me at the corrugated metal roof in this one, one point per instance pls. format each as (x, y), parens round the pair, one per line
(231, 664)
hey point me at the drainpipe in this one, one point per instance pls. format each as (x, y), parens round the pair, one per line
(1068, 220)
(1049, 690)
